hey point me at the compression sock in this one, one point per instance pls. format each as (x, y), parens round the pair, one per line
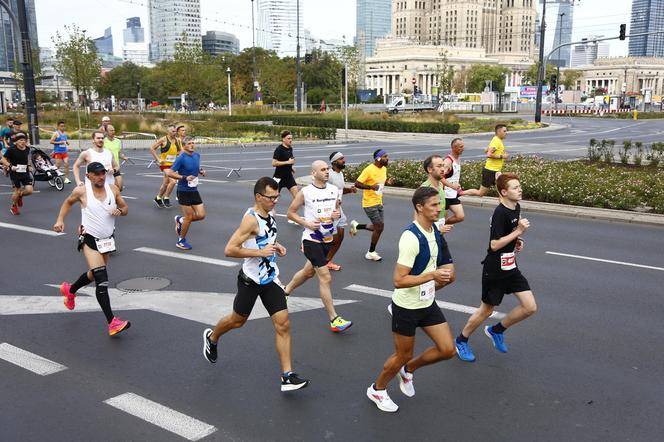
(81, 282)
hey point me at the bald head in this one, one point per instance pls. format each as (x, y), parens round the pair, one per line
(320, 172)
(316, 165)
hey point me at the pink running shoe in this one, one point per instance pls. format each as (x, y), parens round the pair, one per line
(117, 325)
(70, 298)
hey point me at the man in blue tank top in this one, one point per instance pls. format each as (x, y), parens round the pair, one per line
(60, 143)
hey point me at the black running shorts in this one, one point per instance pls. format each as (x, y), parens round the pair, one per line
(452, 202)
(405, 321)
(488, 177)
(189, 198)
(316, 252)
(90, 241)
(21, 179)
(286, 182)
(494, 289)
(272, 296)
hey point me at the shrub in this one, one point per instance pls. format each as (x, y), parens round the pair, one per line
(624, 152)
(638, 156)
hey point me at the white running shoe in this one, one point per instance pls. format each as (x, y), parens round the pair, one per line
(406, 382)
(389, 308)
(381, 399)
(290, 221)
(373, 256)
(353, 228)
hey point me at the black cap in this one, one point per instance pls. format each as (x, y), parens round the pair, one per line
(96, 167)
(18, 122)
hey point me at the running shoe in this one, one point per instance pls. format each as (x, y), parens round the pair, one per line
(14, 210)
(19, 201)
(406, 382)
(389, 308)
(463, 351)
(373, 256)
(69, 297)
(498, 339)
(67, 181)
(332, 266)
(290, 221)
(167, 202)
(183, 244)
(381, 399)
(117, 325)
(353, 228)
(339, 324)
(293, 382)
(178, 225)
(209, 347)
(159, 202)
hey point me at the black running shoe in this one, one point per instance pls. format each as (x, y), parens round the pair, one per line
(167, 202)
(293, 382)
(209, 348)
(159, 202)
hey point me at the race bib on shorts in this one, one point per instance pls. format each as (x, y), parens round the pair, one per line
(193, 183)
(427, 291)
(21, 168)
(105, 245)
(507, 261)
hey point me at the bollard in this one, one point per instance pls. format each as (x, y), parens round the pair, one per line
(635, 115)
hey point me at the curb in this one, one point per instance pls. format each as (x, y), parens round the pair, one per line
(553, 127)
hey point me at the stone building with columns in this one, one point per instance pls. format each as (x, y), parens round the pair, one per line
(637, 73)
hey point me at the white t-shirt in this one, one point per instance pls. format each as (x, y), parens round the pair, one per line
(337, 179)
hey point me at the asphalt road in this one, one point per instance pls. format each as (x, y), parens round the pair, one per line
(587, 366)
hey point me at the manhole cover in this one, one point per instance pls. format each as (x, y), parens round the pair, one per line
(145, 284)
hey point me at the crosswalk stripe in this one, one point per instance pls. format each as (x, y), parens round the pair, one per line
(161, 416)
(188, 257)
(30, 229)
(29, 361)
(442, 304)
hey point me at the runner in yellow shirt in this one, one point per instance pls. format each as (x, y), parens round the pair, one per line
(114, 145)
(169, 147)
(495, 158)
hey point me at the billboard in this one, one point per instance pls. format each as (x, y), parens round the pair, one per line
(531, 91)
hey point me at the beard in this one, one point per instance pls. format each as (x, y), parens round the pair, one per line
(340, 166)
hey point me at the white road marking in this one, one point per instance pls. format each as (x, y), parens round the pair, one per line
(442, 304)
(129, 197)
(11, 193)
(161, 416)
(203, 180)
(188, 257)
(29, 361)
(30, 229)
(630, 264)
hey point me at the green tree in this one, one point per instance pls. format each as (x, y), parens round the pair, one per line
(479, 73)
(350, 56)
(77, 60)
(322, 77)
(530, 77)
(445, 74)
(122, 81)
(570, 76)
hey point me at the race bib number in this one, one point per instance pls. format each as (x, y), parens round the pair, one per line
(21, 168)
(380, 189)
(170, 158)
(105, 245)
(427, 291)
(193, 183)
(507, 261)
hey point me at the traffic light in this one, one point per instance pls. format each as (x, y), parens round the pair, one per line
(307, 58)
(623, 30)
(553, 82)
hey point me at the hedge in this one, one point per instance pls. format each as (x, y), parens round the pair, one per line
(386, 125)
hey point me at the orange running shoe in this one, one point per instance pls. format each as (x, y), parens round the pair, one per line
(117, 325)
(69, 297)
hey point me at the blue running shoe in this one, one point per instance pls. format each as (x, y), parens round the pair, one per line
(183, 244)
(497, 339)
(178, 225)
(464, 351)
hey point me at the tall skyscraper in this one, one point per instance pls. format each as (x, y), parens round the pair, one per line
(277, 26)
(558, 30)
(586, 54)
(173, 22)
(373, 20)
(217, 43)
(647, 16)
(134, 33)
(105, 43)
(6, 36)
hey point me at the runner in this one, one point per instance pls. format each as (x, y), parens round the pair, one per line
(16, 128)
(181, 131)
(114, 145)
(451, 178)
(169, 147)
(105, 121)
(338, 163)
(434, 167)
(5, 134)
(98, 154)
(495, 159)
(256, 241)
(501, 274)
(283, 162)
(17, 161)
(321, 211)
(422, 268)
(186, 169)
(60, 143)
(100, 203)
(372, 180)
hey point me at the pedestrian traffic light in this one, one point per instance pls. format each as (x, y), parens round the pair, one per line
(307, 58)
(553, 81)
(623, 30)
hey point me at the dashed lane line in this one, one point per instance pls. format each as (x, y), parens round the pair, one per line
(187, 257)
(29, 361)
(30, 229)
(588, 258)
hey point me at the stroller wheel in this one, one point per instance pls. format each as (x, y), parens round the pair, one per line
(59, 183)
(51, 183)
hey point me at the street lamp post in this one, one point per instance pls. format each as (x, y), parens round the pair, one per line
(560, 41)
(230, 109)
(253, 48)
(541, 70)
(298, 85)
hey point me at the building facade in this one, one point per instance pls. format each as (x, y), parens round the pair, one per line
(277, 26)
(586, 54)
(647, 16)
(173, 22)
(636, 74)
(104, 43)
(559, 24)
(134, 33)
(217, 43)
(7, 51)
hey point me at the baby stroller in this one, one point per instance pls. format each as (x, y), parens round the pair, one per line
(45, 170)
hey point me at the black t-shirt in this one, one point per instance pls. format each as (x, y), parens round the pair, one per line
(502, 262)
(283, 153)
(16, 157)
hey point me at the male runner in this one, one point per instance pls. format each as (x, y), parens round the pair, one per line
(169, 147)
(60, 143)
(451, 178)
(114, 145)
(495, 159)
(97, 154)
(500, 274)
(105, 121)
(186, 169)
(424, 266)
(283, 162)
(17, 161)
(256, 241)
(372, 180)
(16, 128)
(181, 131)
(321, 211)
(338, 163)
(6, 133)
(100, 203)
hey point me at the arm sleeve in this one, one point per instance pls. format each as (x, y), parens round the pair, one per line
(409, 247)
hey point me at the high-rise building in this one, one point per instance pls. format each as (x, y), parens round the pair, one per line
(373, 20)
(647, 16)
(586, 54)
(173, 22)
(559, 22)
(7, 50)
(276, 26)
(105, 43)
(134, 49)
(217, 43)
(134, 33)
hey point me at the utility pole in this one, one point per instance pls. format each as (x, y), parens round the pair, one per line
(253, 47)
(541, 71)
(346, 98)
(560, 41)
(28, 74)
(298, 84)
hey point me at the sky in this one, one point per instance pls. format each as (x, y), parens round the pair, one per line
(331, 19)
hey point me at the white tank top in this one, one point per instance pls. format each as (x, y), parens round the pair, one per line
(456, 176)
(261, 270)
(104, 157)
(318, 206)
(96, 216)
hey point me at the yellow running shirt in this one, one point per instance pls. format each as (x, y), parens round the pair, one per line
(492, 163)
(373, 175)
(169, 152)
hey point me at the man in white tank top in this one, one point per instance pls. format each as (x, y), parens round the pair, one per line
(256, 241)
(451, 178)
(100, 204)
(98, 154)
(321, 212)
